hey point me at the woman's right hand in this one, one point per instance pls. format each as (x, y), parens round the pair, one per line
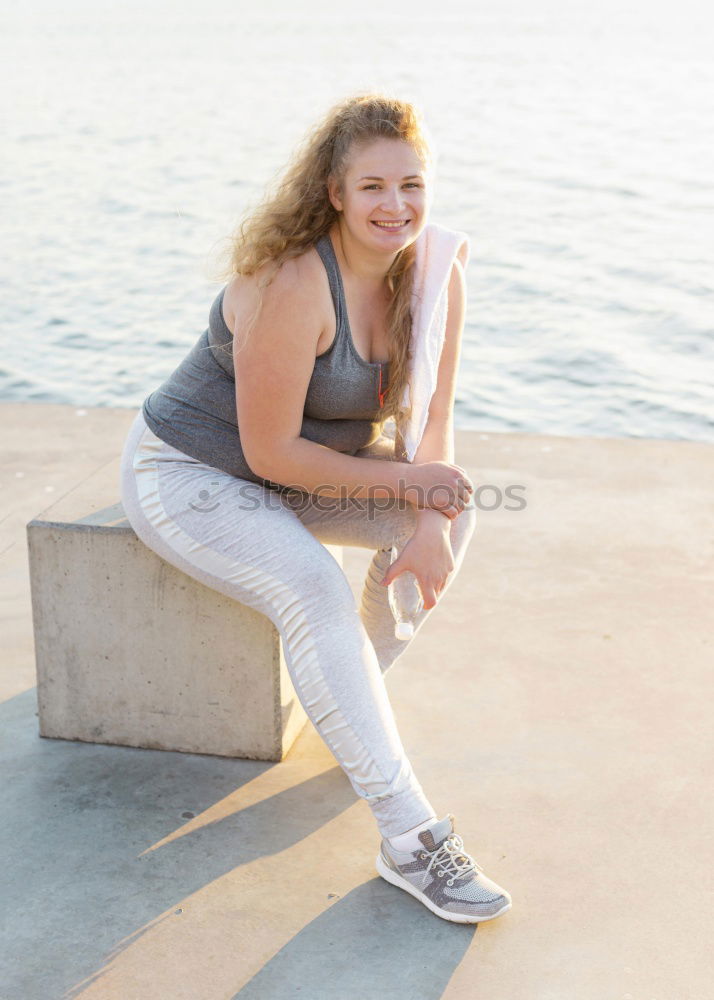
(439, 485)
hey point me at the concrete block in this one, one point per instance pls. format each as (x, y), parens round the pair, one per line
(130, 650)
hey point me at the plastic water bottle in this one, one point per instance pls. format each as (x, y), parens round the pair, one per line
(405, 600)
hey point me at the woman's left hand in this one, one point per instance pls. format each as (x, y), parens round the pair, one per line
(428, 555)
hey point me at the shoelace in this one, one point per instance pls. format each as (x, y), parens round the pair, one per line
(452, 859)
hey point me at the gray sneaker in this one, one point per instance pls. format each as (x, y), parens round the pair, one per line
(442, 876)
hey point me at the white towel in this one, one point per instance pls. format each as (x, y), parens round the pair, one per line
(436, 249)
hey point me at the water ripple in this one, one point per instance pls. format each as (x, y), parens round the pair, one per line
(573, 147)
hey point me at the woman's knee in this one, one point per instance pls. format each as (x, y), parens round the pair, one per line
(462, 528)
(328, 581)
(395, 522)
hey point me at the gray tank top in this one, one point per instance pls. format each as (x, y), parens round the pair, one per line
(194, 409)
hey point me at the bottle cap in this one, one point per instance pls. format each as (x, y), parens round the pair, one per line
(404, 630)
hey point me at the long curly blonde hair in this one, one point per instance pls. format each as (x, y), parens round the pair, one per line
(293, 216)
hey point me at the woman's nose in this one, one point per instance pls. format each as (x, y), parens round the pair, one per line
(392, 200)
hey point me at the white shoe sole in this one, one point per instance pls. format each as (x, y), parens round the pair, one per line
(456, 918)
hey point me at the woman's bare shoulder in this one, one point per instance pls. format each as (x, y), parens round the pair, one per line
(300, 280)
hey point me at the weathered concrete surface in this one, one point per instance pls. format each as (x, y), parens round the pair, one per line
(130, 650)
(567, 728)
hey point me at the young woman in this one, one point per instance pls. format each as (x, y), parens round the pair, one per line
(268, 441)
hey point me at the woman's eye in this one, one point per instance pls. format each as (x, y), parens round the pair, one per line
(371, 187)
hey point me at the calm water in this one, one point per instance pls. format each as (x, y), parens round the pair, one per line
(576, 148)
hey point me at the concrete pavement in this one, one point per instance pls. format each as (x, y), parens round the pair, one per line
(557, 702)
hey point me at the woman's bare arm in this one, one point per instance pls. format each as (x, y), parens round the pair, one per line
(273, 368)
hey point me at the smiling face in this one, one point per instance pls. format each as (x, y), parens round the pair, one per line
(385, 195)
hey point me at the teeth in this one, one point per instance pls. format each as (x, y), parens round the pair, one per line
(391, 225)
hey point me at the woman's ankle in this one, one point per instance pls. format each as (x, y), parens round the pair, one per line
(409, 840)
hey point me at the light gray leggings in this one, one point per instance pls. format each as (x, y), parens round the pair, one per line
(266, 550)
